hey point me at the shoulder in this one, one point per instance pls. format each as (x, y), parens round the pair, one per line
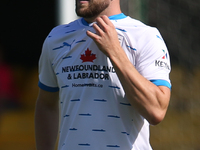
(136, 28)
(64, 28)
(143, 28)
(145, 33)
(130, 23)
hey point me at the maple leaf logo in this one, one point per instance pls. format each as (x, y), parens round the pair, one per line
(88, 56)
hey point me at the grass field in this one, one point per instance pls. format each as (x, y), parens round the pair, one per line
(180, 129)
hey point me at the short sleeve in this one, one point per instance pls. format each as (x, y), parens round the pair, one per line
(47, 77)
(153, 61)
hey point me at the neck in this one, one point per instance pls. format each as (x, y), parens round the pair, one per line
(113, 9)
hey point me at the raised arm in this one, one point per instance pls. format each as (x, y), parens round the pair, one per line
(149, 100)
(46, 120)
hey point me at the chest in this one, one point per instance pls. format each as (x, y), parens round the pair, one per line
(78, 60)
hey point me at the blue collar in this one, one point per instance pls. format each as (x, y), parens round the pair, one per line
(114, 17)
(117, 17)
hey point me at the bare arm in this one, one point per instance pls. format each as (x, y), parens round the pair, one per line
(46, 120)
(149, 100)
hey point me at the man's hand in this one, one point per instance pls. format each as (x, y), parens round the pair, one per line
(106, 36)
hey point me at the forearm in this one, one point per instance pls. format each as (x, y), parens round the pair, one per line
(149, 100)
(46, 126)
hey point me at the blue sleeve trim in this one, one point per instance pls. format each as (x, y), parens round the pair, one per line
(47, 88)
(161, 83)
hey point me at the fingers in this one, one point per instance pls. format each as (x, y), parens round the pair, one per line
(106, 20)
(99, 30)
(95, 36)
(101, 27)
(100, 21)
(104, 23)
(92, 35)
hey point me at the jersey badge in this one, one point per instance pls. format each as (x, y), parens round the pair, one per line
(165, 55)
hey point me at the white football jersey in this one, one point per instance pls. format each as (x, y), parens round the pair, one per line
(95, 113)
